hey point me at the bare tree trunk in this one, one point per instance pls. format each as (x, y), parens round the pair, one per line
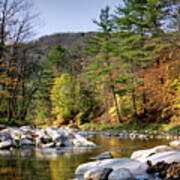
(116, 105)
(133, 92)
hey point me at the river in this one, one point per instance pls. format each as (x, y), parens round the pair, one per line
(28, 164)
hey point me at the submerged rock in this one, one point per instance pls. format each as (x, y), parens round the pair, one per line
(134, 166)
(4, 136)
(169, 157)
(106, 155)
(27, 142)
(63, 141)
(143, 155)
(121, 174)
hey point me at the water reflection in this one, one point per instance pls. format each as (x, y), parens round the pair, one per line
(58, 164)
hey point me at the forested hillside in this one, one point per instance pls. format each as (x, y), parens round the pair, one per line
(126, 73)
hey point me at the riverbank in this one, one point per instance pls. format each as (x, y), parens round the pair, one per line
(63, 161)
(102, 127)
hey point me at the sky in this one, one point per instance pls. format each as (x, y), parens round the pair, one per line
(69, 15)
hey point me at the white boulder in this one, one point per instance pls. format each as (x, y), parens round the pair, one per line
(142, 155)
(134, 166)
(121, 174)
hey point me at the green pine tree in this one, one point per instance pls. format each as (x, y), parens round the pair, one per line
(101, 48)
(138, 21)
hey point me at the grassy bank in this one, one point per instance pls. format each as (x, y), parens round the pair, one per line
(101, 127)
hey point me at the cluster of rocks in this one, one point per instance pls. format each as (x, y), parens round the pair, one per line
(141, 135)
(50, 137)
(161, 162)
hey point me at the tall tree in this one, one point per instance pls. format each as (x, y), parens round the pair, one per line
(101, 47)
(136, 22)
(16, 28)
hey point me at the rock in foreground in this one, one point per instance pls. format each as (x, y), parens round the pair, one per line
(134, 166)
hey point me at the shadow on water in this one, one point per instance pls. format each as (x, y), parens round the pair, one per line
(28, 164)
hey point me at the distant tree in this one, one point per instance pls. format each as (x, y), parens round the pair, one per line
(58, 60)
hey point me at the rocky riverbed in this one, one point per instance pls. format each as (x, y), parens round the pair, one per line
(158, 163)
(134, 134)
(50, 137)
(52, 143)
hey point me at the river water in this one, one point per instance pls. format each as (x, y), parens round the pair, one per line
(29, 164)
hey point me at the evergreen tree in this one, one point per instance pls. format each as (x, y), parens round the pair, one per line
(57, 59)
(136, 22)
(101, 47)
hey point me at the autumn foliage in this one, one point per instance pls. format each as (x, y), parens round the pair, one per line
(162, 87)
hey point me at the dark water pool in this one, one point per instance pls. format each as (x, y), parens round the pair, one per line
(32, 165)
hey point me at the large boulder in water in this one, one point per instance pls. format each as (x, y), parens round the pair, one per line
(142, 155)
(134, 166)
(169, 157)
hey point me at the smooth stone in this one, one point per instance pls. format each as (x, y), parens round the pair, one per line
(26, 142)
(16, 134)
(98, 174)
(5, 136)
(52, 132)
(142, 155)
(175, 144)
(169, 157)
(6, 144)
(136, 167)
(121, 174)
(106, 155)
(143, 137)
(80, 141)
(27, 129)
(27, 136)
(63, 141)
(133, 136)
(48, 145)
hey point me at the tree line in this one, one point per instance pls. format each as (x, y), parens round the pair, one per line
(129, 71)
